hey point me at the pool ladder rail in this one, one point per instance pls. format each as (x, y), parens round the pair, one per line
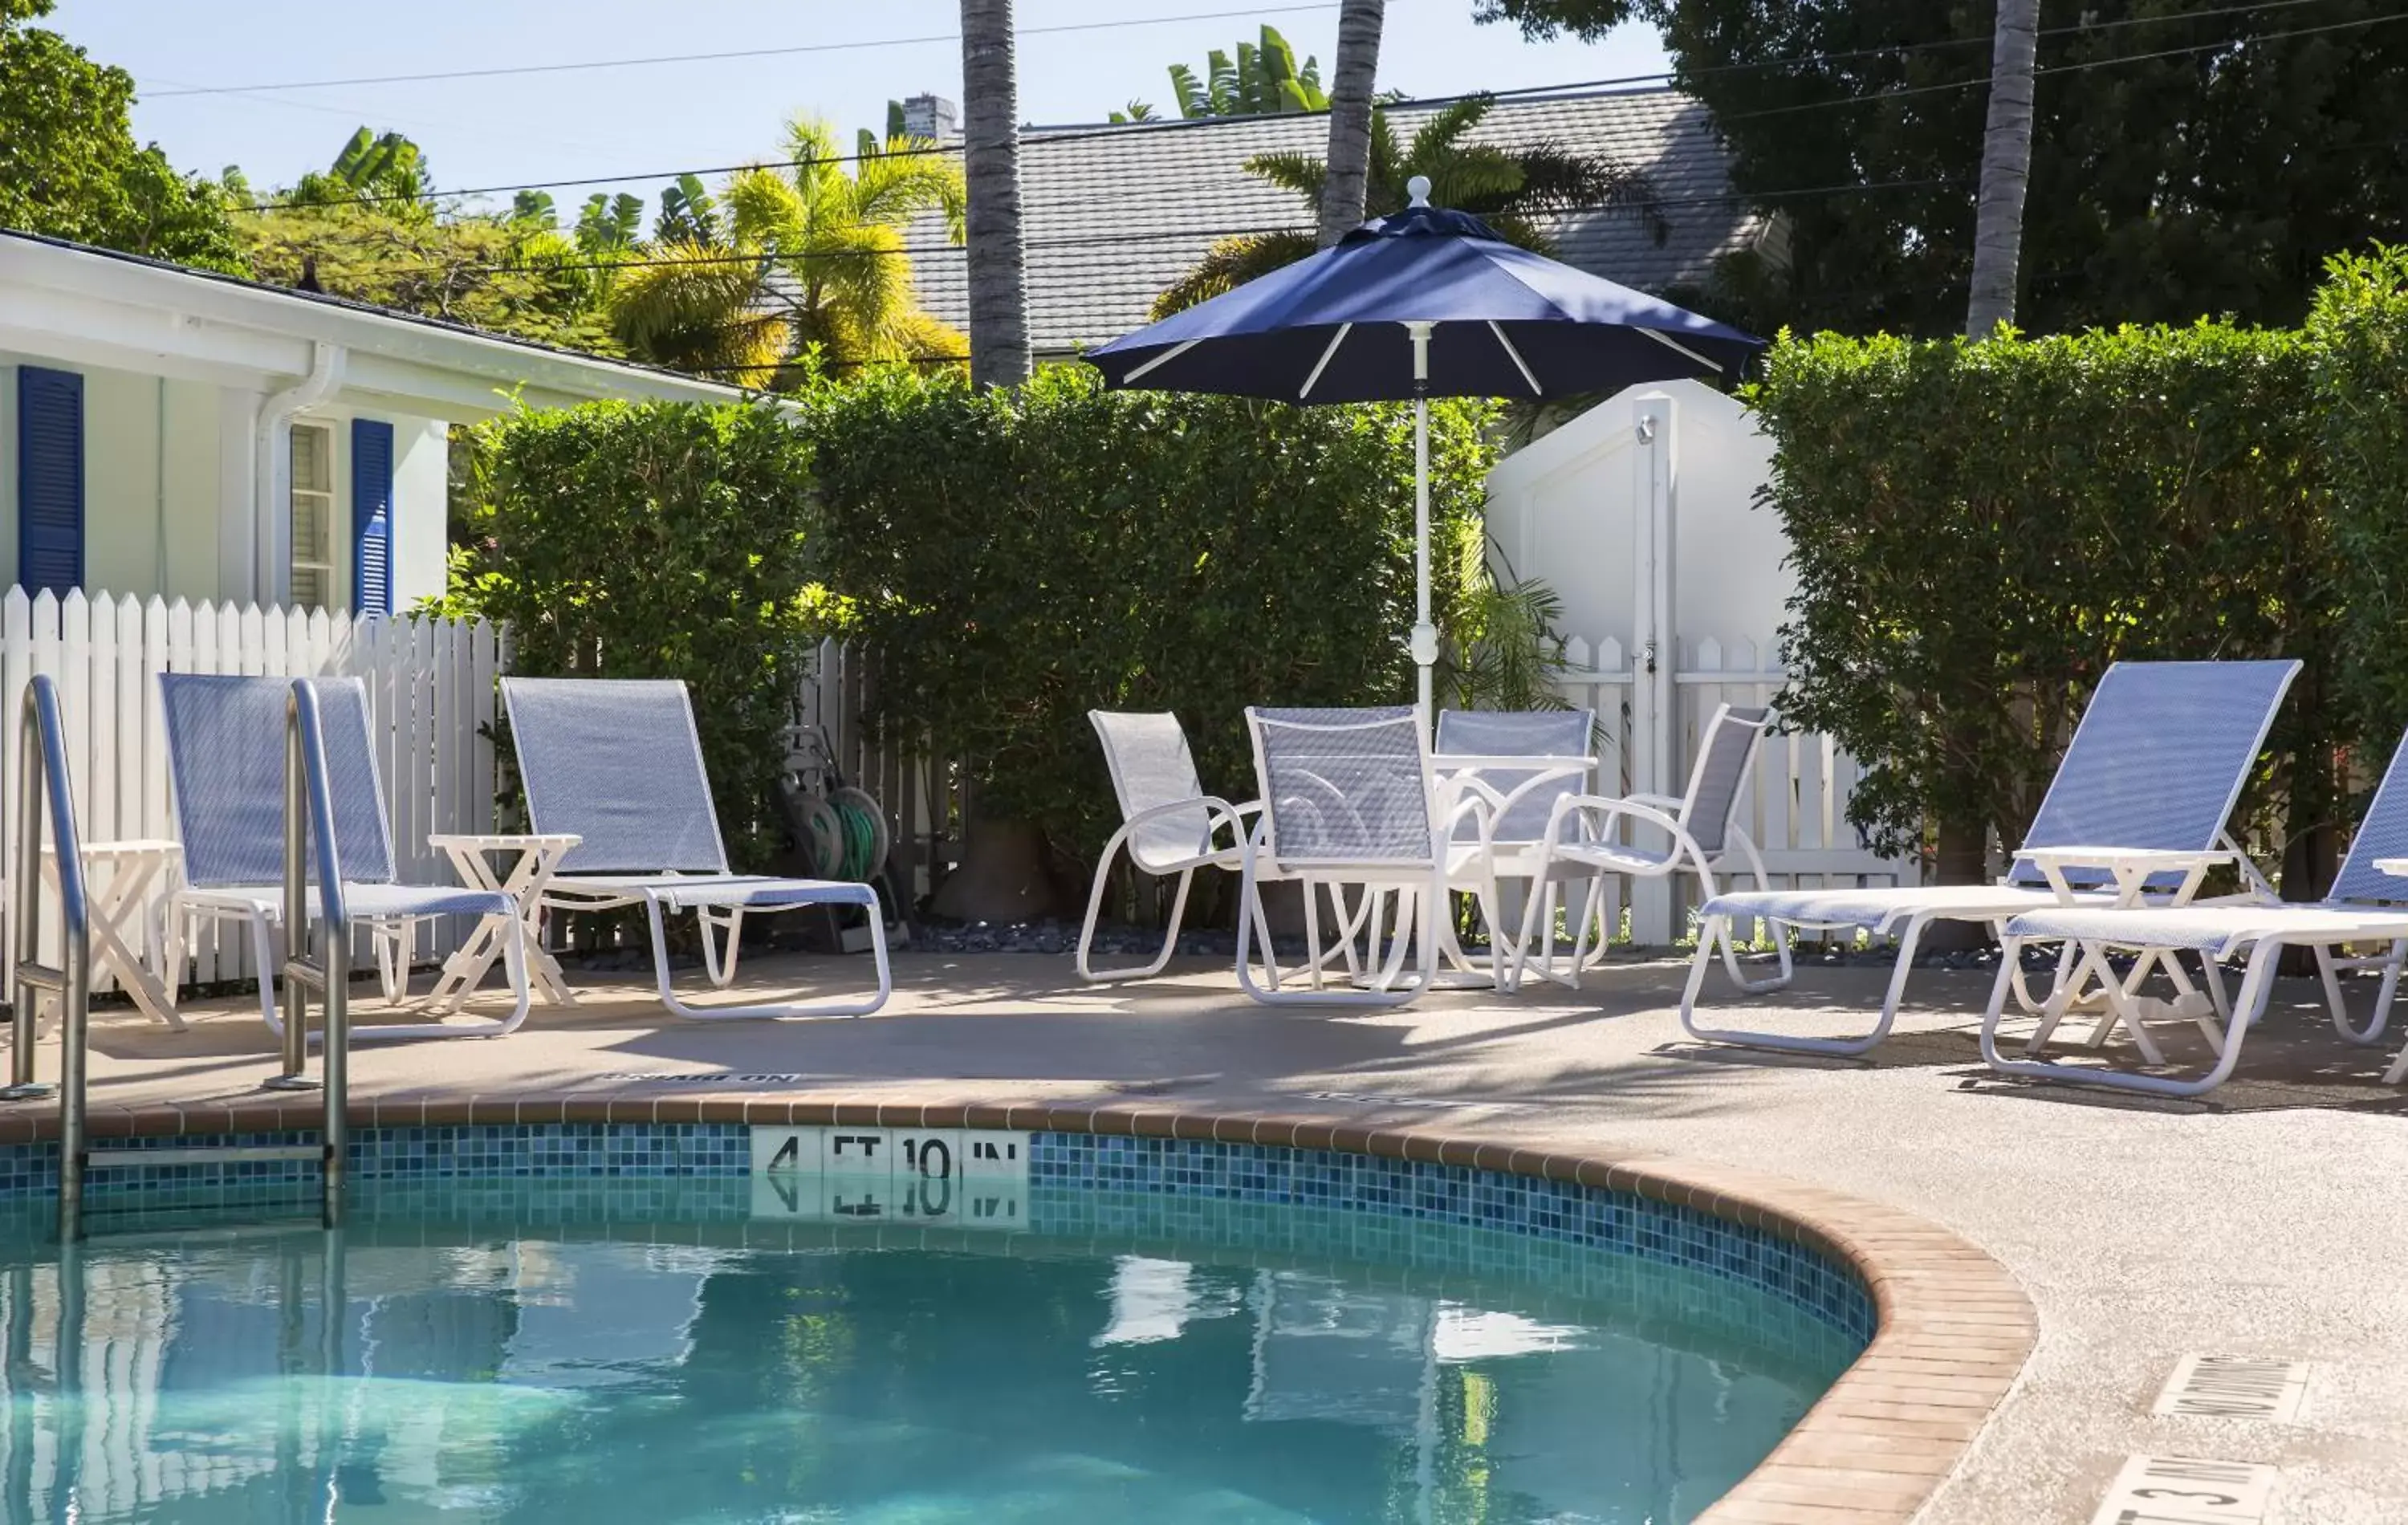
(45, 792)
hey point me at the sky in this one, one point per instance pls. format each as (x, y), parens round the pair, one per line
(660, 118)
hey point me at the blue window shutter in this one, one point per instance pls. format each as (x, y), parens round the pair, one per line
(372, 516)
(50, 479)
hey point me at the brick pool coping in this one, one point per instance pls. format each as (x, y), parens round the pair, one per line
(1953, 1327)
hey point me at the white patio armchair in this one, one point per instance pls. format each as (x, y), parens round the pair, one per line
(1701, 826)
(1351, 801)
(1521, 762)
(1169, 825)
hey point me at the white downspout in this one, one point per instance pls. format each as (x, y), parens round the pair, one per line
(270, 528)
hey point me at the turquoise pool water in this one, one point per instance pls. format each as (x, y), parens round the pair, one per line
(540, 1362)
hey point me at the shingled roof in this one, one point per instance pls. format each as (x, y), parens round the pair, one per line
(1114, 214)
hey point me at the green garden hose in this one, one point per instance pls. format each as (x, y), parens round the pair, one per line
(847, 837)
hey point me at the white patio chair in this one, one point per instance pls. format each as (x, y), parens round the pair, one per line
(1350, 800)
(1701, 826)
(2367, 905)
(1168, 824)
(227, 762)
(1473, 749)
(2156, 762)
(616, 762)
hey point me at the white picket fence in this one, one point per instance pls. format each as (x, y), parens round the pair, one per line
(1795, 808)
(431, 686)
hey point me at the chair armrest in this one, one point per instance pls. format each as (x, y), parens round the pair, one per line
(1218, 812)
(1598, 813)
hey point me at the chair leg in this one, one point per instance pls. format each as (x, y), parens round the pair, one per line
(768, 1011)
(2338, 1004)
(1169, 940)
(1716, 931)
(2256, 986)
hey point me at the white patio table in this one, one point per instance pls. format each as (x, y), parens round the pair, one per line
(2132, 870)
(534, 860)
(1455, 774)
(128, 901)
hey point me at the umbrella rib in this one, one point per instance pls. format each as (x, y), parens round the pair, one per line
(1323, 364)
(1674, 344)
(1168, 355)
(1519, 363)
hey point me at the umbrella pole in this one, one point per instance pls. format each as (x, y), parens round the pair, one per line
(1425, 643)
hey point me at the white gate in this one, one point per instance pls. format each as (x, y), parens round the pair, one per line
(1640, 514)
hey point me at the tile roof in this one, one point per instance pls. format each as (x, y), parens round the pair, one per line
(1116, 214)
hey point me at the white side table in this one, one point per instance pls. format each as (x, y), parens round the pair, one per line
(124, 904)
(533, 861)
(2131, 869)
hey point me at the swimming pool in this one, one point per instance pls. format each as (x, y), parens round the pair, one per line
(1100, 1329)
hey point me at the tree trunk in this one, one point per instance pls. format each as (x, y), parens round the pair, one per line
(2006, 167)
(999, 290)
(1351, 80)
(1960, 856)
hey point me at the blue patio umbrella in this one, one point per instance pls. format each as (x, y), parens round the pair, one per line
(1428, 303)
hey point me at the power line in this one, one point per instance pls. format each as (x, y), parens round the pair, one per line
(770, 257)
(2056, 68)
(502, 71)
(1127, 130)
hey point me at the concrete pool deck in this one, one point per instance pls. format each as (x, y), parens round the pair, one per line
(2266, 1221)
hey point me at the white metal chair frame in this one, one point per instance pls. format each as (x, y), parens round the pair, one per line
(1423, 882)
(1916, 910)
(1215, 813)
(391, 940)
(2364, 908)
(1599, 851)
(718, 898)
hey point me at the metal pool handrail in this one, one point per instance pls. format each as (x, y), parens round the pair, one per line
(310, 813)
(43, 782)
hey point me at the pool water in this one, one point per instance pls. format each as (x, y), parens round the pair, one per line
(415, 1367)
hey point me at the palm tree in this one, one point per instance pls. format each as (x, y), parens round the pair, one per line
(807, 258)
(1511, 189)
(2006, 166)
(998, 283)
(1350, 117)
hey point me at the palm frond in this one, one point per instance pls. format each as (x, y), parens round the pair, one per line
(1555, 179)
(1298, 172)
(904, 180)
(1230, 264)
(1478, 179)
(765, 208)
(1190, 95)
(705, 314)
(1442, 133)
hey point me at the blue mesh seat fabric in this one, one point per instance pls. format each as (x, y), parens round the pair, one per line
(618, 763)
(1518, 733)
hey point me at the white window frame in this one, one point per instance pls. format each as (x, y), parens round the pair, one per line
(330, 497)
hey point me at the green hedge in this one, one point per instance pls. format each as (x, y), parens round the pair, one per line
(2360, 327)
(1019, 558)
(623, 541)
(1979, 529)
(1016, 558)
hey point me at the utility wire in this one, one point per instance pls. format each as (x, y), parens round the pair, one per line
(2058, 68)
(1127, 130)
(502, 71)
(769, 258)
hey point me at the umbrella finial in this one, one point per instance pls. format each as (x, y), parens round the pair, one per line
(1417, 191)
